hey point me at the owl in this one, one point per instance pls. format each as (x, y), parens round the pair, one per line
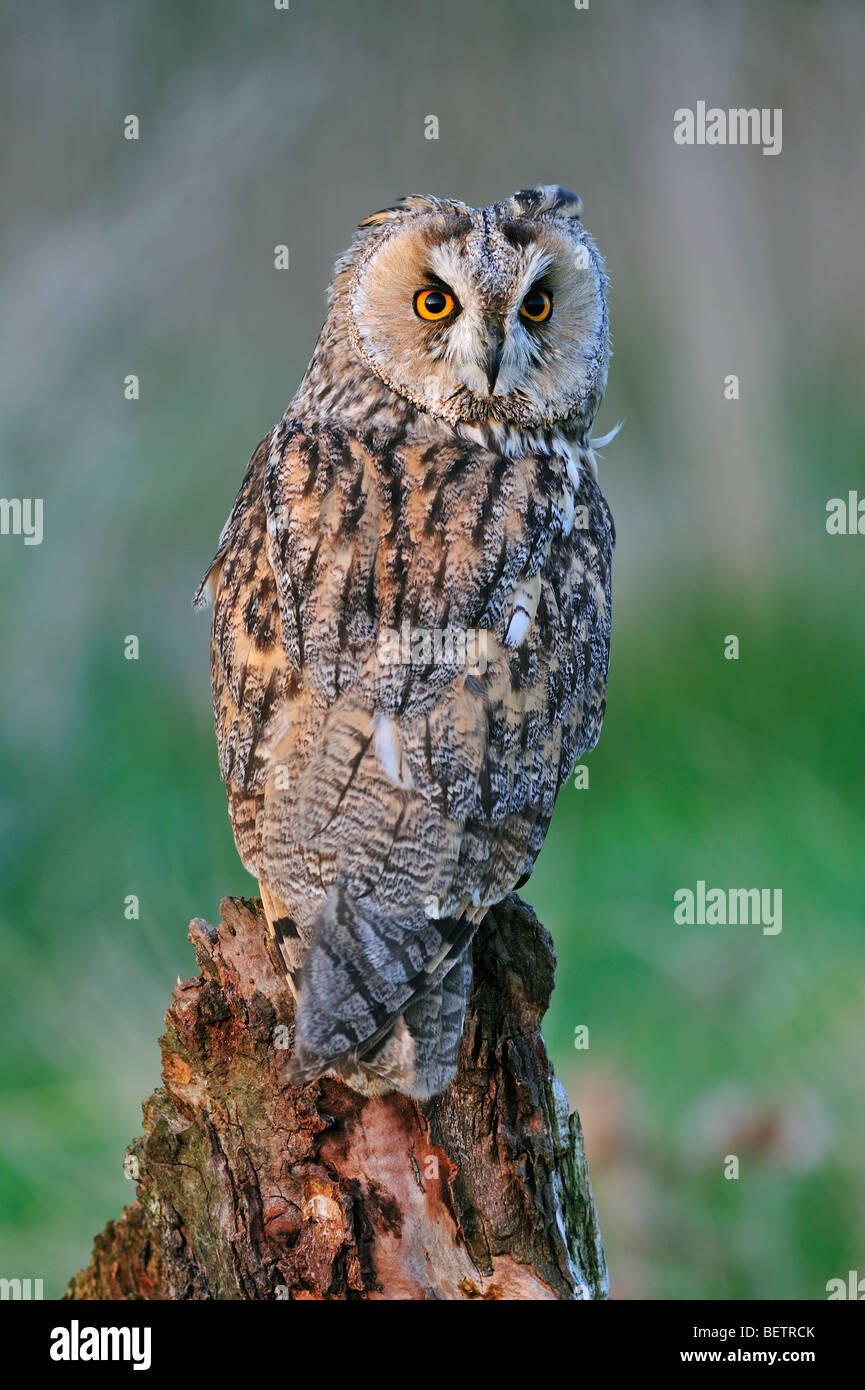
(411, 619)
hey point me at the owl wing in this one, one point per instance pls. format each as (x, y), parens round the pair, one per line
(251, 682)
(417, 781)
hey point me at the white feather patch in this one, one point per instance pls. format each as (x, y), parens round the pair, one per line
(567, 512)
(526, 598)
(387, 743)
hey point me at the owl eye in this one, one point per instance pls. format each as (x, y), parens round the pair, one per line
(433, 304)
(537, 305)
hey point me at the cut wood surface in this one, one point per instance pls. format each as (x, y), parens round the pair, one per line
(247, 1189)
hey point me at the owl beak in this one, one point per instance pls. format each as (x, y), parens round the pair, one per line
(495, 347)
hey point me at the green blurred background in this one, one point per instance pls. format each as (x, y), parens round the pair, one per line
(261, 127)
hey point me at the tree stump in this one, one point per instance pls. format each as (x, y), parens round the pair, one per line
(250, 1190)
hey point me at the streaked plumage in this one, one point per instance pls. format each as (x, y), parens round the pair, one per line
(384, 807)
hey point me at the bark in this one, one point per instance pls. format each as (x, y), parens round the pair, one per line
(249, 1190)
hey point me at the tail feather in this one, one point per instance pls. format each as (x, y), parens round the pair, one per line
(435, 1024)
(386, 994)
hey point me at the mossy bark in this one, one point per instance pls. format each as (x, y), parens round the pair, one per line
(250, 1190)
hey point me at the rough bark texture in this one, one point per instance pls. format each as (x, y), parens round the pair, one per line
(247, 1190)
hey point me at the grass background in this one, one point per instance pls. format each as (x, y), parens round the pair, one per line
(260, 127)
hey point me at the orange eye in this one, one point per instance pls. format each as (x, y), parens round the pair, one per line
(433, 304)
(537, 306)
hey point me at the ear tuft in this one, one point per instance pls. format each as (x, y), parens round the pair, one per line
(412, 202)
(546, 198)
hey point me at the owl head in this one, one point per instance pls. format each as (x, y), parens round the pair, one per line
(481, 315)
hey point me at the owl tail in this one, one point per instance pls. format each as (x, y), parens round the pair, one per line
(381, 1000)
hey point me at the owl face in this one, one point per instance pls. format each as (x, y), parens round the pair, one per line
(494, 315)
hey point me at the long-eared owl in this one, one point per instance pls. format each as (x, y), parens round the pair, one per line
(411, 618)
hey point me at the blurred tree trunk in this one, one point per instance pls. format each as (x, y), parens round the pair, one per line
(249, 1190)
